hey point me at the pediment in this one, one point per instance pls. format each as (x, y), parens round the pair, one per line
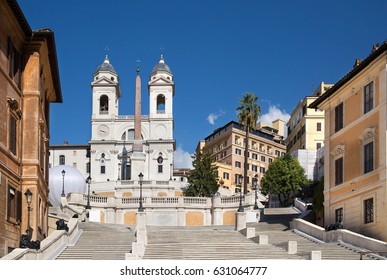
(103, 81)
(161, 81)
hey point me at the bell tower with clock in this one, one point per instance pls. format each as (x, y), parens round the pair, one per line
(105, 94)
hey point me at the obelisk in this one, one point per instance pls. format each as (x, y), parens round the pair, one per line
(137, 144)
(138, 156)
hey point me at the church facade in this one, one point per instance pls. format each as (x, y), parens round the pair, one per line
(124, 146)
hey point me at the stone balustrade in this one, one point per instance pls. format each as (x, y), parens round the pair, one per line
(129, 202)
(169, 210)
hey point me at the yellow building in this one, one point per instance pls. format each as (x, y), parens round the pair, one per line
(355, 147)
(29, 82)
(306, 125)
(226, 144)
(306, 133)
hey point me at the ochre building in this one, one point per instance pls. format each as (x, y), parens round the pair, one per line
(29, 82)
(355, 147)
(226, 144)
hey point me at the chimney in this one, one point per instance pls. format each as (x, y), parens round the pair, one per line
(280, 126)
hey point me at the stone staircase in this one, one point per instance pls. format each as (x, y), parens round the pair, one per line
(223, 242)
(100, 242)
(112, 241)
(275, 224)
(210, 242)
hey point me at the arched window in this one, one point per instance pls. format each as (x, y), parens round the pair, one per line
(128, 135)
(160, 163)
(62, 160)
(160, 104)
(104, 104)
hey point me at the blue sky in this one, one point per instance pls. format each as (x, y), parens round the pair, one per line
(217, 51)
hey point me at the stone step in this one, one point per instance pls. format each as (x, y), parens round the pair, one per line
(100, 242)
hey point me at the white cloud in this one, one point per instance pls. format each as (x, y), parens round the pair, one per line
(213, 116)
(182, 159)
(274, 113)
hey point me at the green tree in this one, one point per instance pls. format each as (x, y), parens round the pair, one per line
(284, 177)
(203, 178)
(248, 114)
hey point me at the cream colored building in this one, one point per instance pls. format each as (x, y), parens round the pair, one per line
(29, 82)
(355, 147)
(226, 144)
(306, 132)
(306, 125)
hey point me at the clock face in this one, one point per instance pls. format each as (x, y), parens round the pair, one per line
(103, 130)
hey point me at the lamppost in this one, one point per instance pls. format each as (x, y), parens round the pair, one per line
(240, 181)
(63, 175)
(28, 195)
(255, 180)
(140, 177)
(88, 180)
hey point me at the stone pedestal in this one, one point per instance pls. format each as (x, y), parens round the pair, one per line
(292, 247)
(315, 255)
(250, 232)
(263, 239)
(240, 221)
(141, 234)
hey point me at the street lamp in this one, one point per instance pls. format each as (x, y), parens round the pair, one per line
(240, 181)
(255, 181)
(140, 177)
(28, 195)
(88, 180)
(63, 175)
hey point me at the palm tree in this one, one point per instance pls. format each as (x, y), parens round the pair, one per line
(249, 112)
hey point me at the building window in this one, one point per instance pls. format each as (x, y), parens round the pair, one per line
(88, 167)
(62, 160)
(104, 104)
(339, 168)
(103, 169)
(318, 146)
(263, 159)
(368, 210)
(160, 106)
(339, 117)
(254, 168)
(238, 151)
(254, 156)
(270, 160)
(339, 215)
(226, 176)
(318, 126)
(368, 97)
(12, 134)
(262, 170)
(160, 161)
(368, 157)
(14, 58)
(238, 164)
(277, 153)
(13, 205)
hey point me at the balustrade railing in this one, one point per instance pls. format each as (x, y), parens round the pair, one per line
(165, 200)
(201, 202)
(195, 200)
